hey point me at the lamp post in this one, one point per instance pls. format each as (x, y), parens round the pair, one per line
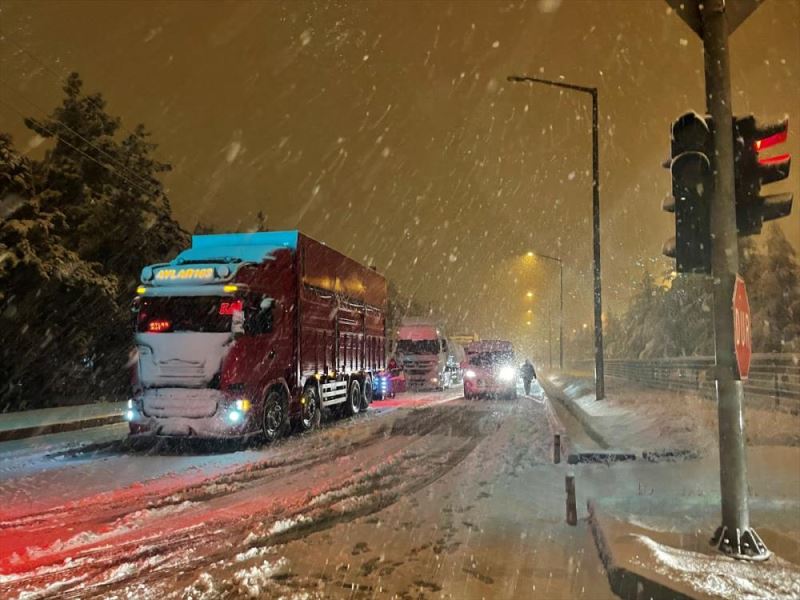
(561, 305)
(598, 309)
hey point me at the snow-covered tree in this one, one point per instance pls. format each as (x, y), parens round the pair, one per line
(77, 228)
(772, 274)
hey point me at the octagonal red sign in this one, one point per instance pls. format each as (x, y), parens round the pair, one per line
(741, 327)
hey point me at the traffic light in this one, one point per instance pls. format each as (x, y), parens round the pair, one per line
(692, 188)
(753, 169)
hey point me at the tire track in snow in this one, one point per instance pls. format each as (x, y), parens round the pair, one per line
(422, 446)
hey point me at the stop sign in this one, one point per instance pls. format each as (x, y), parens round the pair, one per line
(741, 327)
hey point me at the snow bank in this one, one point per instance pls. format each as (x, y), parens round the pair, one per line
(50, 590)
(253, 582)
(286, 524)
(202, 589)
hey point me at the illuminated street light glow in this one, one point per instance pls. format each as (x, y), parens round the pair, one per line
(530, 294)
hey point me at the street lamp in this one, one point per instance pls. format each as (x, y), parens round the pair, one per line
(561, 306)
(598, 310)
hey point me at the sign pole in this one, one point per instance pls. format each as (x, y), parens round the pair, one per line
(734, 536)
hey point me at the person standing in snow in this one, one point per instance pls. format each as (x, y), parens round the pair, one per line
(528, 375)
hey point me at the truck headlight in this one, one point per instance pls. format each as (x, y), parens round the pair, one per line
(131, 411)
(470, 374)
(506, 374)
(237, 410)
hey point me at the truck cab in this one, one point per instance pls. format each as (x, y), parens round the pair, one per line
(490, 369)
(426, 356)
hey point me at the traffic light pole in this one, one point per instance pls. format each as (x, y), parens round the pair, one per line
(734, 536)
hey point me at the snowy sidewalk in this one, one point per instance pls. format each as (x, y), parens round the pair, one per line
(29, 423)
(652, 520)
(646, 562)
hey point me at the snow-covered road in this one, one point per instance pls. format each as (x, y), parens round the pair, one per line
(421, 496)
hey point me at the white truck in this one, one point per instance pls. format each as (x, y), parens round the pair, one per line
(428, 358)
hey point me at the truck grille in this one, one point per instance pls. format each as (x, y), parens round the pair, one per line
(179, 369)
(178, 402)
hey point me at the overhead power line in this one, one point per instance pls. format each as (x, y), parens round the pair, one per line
(79, 151)
(78, 135)
(60, 78)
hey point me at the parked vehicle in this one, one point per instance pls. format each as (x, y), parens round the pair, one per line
(427, 358)
(248, 334)
(389, 383)
(490, 369)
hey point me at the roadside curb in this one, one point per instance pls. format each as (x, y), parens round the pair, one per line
(35, 431)
(626, 584)
(583, 418)
(557, 427)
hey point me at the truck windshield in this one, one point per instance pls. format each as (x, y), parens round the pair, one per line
(418, 346)
(491, 359)
(184, 313)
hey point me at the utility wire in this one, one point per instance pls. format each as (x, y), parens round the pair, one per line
(79, 151)
(68, 128)
(60, 78)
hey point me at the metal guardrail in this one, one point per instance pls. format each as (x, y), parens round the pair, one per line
(774, 379)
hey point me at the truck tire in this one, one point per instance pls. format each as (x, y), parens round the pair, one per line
(367, 399)
(310, 410)
(354, 400)
(274, 418)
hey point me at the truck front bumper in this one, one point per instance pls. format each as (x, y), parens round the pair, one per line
(184, 413)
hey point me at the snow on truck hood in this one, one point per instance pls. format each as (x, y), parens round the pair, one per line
(180, 359)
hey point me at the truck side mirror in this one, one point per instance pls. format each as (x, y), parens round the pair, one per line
(259, 320)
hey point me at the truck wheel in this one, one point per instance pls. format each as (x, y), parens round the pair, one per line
(354, 400)
(310, 412)
(367, 400)
(274, 419)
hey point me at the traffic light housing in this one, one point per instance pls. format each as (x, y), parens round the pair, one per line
(753, 169)
(690, 165)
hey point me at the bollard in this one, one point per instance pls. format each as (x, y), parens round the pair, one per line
(572, 511)
(556, 448)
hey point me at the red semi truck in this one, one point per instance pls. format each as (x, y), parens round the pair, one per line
(250, 334)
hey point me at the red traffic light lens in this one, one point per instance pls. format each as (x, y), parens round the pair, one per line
(774, 160)
(773, 140)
